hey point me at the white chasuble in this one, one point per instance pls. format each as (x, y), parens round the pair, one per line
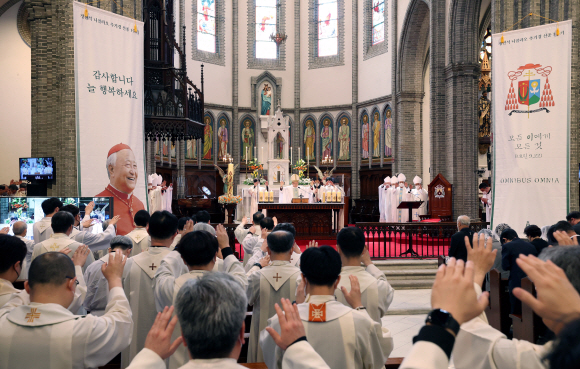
(377, 293)
(42, 230)
(155, 200)
(141, 240)
(420, 195)
(57, 242)
(398, 196)
(382, 191)
(139, 290)
(7, 291)
(266, 287)
(38, 335)
(343, 337)
(95, 242)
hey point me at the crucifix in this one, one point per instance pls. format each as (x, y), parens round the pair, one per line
(276, 277)
(32, 315)
(153, 266)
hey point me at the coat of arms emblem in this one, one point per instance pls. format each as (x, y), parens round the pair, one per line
(439, 191)
(531, 89)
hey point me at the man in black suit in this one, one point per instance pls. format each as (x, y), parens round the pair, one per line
(457, 248)
(574, 219)
(512, 248)
(534, 234)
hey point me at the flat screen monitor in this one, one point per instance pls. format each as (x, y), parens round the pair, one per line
(37, 168)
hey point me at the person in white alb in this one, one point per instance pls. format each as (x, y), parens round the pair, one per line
(254, 194)
(400, 194)
(294, 191)
(199, 250)
(241, 231)
(346, 338)
(486, 200)
(13, 251)
(382, 198)
(251, 241)
(155, 194)
(377, 293)
(97, 285)
(139, 284)
(43, 333)
(419, 194)
(41, 229)
(389, 213)
(20, 230)
(180, 231)
(261, 250)
(139, 236)
(95, 242)
(214, 342)
(62, 224)
(268, 285)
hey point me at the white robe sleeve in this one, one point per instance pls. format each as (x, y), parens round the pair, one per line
(96, 242)
(80, 290)
(385, 291)
(253, 291)
(97, 288)
(249, 243)
(147, 359)
(425, 355)
(163, 286)
(302, 356)
(376, 346)
(233, 267)
(257, 255)
(240, 233)
(110, 333)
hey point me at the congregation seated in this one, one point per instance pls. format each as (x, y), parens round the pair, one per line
(268, 285)
(345, 337)
(139, 236)
(97, 284)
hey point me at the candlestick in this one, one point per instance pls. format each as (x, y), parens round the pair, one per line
(255, 152)
(246, 155)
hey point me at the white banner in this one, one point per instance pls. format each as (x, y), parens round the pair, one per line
(109, 97)
(531, 119)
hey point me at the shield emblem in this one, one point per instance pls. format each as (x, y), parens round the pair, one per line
(529, 92)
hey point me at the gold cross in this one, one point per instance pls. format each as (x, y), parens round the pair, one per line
(32, 315)
(276, 277)
(53, 247)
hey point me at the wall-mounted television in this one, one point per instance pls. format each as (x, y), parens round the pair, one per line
(37, 168)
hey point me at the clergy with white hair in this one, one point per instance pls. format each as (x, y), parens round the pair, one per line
(400, 194)
(267, 285)
(345, 337)
(383, 189)
(294, 191)
(38, 331)
(20, 230)
(139, 284)
(419, 194)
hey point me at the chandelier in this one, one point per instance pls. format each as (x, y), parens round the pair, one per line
(278, 38)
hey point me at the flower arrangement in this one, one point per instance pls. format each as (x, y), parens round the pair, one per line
(229, 199)
(300, 166)
(255, 167)
(304, 181)
(18, 205)
(250, 181)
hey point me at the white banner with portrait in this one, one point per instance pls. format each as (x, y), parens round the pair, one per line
(109, 98)
(531, 120)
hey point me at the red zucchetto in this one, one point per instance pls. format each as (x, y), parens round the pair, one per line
(117, 148)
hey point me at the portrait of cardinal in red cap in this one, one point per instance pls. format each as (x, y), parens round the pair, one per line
(123, 175)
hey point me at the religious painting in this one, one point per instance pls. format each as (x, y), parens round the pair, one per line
(388, 133)
(376, 135)
(365, 130)
(309, 140)
(326, 137)
(165, 149)
(191, 149)
(484, 107)
(266, 99)
(157, 147)
(248, 140)
(279, 146)
(223, 138)
(344, 139)
(207, 153)
(173, 151)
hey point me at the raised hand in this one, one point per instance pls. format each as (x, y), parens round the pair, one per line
(353, 297)
(114, 220)
(80, 256)
(87, 223)
(300, 293)
(159, 337)
(66, 251)
(312, 244)
(5, 230)
(89, 208)
(113, 269)
(275, 221)
(291, 327)
(265, 261)
(188, 227)
(565, 240)
(222, 236)
(482, 255)
(365, 258)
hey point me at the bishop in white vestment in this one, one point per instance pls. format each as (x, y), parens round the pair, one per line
(294, 191)
(419, 194)
(389, 213)
(400, 194)
(268, 285)
(382, 198)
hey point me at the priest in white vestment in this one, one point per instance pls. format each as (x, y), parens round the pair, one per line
(95, 242)
(62, 226)
(20, 230)
(251, 241)
(345, 337)
(43, 333)
(156, 194)
(241, 231)
(139, 236)
(294, 191)
(399, 195)
(268, 285)
(214, 342)
(199, 250)
(389, 213)
(382, 198)
(97, 285)
(419, 194)
(254, 194)
(261, 250)
(42, 229)
(139, 284)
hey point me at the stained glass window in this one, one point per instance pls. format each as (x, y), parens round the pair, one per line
(486, 45)
(206, 25)
(327, 27)
(378, 28)
(266, 18)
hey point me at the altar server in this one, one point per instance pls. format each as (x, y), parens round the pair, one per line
(376, 292)
(95, 242)
(344, 337)
(383, 189)
(140, 282)
(20, 230)
(419, 194)
(62, 225)
(400, 194)
(254, 194)
(41, 229)
(44, 333)
(268, 285)
(139, 236)
(97, 285)
(199, 250)
(294, 191)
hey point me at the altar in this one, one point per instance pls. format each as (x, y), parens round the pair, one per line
(310, 220)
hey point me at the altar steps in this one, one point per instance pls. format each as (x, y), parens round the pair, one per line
(404, 274)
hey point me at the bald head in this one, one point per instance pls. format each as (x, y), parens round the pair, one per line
(19, 228)
(51, 268)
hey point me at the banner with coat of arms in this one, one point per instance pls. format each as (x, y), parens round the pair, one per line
(531, 117)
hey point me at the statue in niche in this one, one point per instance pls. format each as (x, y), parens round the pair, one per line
(484, 116)
(326, 136)
(365, 137)
(207, 139)
(223, 139)
(344, 140)
(388, 132)
(266, 100)
(309, 139)
(279, 148)
(248, 141)
(376, 135)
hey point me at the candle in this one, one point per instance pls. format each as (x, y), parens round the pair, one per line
(308, 154)
(246, 155)
(254, 152)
